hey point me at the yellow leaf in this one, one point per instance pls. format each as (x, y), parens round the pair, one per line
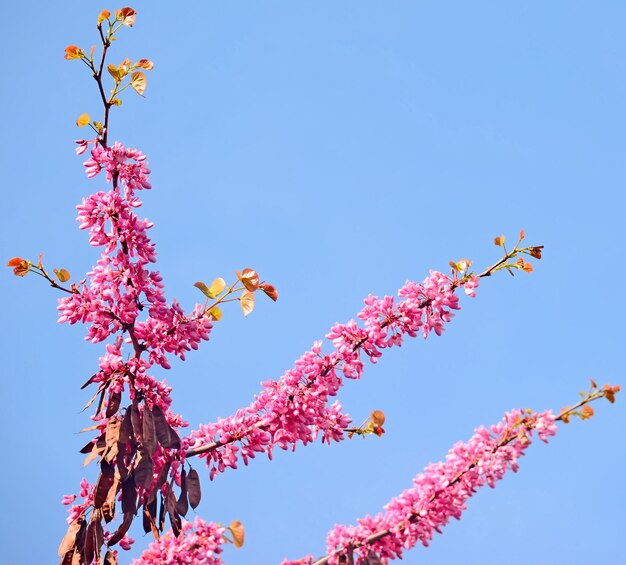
(236, 529)
(138, 82)
(114, 72)
(82, 120)
(62, 274)
(73, 52)
(217, 287)
(204, 288)
(247, 302)
(499, 241)
(116, 102)
(216, 313)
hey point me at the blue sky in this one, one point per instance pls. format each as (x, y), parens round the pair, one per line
(339, 148)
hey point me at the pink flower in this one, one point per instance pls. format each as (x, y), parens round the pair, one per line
(68, 499)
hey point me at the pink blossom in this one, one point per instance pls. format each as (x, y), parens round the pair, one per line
(199, 544)
(441, 491)
(126, 542)
(68, 499)
(297, 408)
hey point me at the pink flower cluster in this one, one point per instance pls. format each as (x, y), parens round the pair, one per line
(120, 285)
(124, 297)
(442, 490)
(296, 407)
(199, 544)
(86, 493)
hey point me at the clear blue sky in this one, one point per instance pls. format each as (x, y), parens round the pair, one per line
(339, 148)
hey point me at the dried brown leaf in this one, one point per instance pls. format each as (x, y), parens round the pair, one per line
(122, 529)
(69, 540)
(182, 505)
(104, 484)
(129, 494)
(144, 469)
(166, 435)
(149, 433)
(193, 488)
(115, 399)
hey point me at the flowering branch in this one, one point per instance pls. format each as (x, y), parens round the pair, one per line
(441, 491)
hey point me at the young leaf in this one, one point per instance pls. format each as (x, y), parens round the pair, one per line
(216, 313)
(83, 120)
(146, 64)
(270, 290)
(126, 16)
(204, 289)
(246, 302)
(378, 417)
(20, 266)
(138, 82)
(114, 72)
(250, 279)
(236, 529)
(499, 241)
(217, 287)
(104, 15)
(62, 274)
(73, 52)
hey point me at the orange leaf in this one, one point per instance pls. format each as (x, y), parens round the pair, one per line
(146, 64)
(528, 267)
(247, 302)
(62, 274)
(104, 15)
(73, 52)
(270, 290)
(82, 120)
(378, 417)
(126, 16)
(20, 266)
(138, 82)
(522, 234)
(250, 279)
(236, 529)
(587, 412)
(499, 241)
